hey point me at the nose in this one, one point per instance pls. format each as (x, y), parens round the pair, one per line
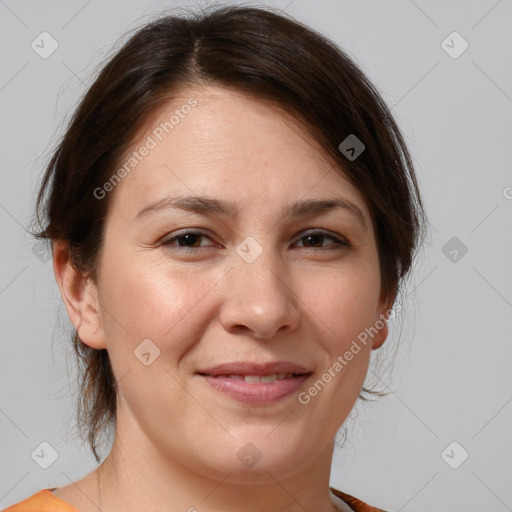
(257, 301)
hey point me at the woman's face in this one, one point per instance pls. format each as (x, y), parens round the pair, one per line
(280, 266)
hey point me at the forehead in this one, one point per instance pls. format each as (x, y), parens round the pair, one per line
(221, 141)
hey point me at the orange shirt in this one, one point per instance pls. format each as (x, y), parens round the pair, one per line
(357, 505)
(45, 501)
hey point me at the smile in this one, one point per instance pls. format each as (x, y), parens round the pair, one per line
(257, 389)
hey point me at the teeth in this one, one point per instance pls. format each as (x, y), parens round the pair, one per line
(255, 379)
(234, 377)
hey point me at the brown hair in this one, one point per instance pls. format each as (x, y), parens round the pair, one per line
(254, 50)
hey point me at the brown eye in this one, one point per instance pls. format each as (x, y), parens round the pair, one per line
(316, 239)
(186, 240)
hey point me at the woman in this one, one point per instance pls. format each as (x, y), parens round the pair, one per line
(232, 212)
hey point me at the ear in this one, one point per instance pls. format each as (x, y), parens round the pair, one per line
(80, 296)
(381, 320)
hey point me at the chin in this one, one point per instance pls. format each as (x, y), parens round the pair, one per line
(262, 472)
(257, 459)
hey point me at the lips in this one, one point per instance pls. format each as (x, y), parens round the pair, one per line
(256, 383)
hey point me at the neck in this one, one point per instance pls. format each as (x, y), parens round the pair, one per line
(137, 477)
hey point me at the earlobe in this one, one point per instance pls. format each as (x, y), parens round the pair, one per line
(381, 323)
(79, 294)
(379, 339)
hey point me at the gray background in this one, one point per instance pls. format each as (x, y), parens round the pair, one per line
(451, 379)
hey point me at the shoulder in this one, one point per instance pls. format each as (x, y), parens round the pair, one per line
(45, 501)
(41, 501)
(356, 504)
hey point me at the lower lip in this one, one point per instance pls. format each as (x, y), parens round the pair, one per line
(257, 393)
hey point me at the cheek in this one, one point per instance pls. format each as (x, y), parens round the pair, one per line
(342, 302)
(343, 306)
(142, 300)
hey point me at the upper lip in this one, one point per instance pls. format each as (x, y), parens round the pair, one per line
(251, 368)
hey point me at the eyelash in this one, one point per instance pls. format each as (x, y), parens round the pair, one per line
(338, 243)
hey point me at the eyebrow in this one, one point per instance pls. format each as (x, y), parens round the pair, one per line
(208, 205)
